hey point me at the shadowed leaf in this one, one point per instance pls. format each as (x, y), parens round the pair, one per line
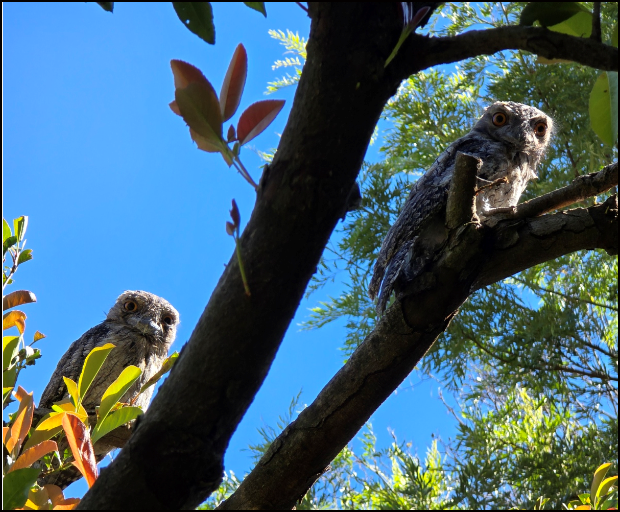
(549, 13)
(604, 107)
(165, 368)
(16, 486)
(200, 109)
(257, 6)
(116, 390)
(198, 18)
(107, 6)
(115, 420)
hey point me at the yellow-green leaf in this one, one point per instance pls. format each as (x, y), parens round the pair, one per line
(579, 25)
(116, 390)
(91, 368)
(6, 230)
(115, 420)
(599, 476)
(604, 107)
(165, 368)
(9, 350)
(20, 224)
(72, 388)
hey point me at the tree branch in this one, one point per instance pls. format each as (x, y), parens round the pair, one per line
(421, 52)
(474, 257)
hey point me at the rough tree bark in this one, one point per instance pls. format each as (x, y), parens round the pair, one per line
(174, 459)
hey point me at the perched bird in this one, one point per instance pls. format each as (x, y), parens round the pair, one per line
(142, 326)
(510, 139)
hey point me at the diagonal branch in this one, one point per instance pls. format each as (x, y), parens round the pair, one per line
(475, 257)
(421, 52)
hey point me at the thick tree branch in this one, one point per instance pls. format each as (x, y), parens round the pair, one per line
(461, 207)
(421, 52)
(474, 257)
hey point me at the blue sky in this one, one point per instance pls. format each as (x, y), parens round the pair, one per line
(119, 198)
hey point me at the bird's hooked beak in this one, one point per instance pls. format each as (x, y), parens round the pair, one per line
(145, 325)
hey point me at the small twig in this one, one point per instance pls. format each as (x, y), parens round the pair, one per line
(596, 22)
(243, 171)
(491, 184)
(302, 6)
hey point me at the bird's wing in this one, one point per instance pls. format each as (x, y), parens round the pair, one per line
(70, 365)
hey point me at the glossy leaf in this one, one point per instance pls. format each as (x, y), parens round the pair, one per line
(81, 447)
(234, 82)
(59, 502)
(73, 390)
(17, 298)
(44, 431)
(23, 421)
(31, 455)
(605, 486)
(579, 25)
(66, 405)
(16, 486)
(14, 319)
(604, 107)
(257, 6)
(8, 243)
(256, 118)
(37, 499)
(6, 230)
(24, 256)
(20, 224)
(9, 351)
(165, 368)
(549, 13)
(198, 18)
(115, 420)
(116, 390)
(92, 365)
(599, 476)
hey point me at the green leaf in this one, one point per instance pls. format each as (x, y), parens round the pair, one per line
(24, 256)
(604, 107)
(115, 420)
(614, 36)
(72, 388)
(9, 351)
(198, 18)
(8, 378)
(92, 365)
(20, 224)
(8, 243)
(16, 486)
(165, 367)
(549, 13)
(107, 6)
(257, 6)
(579, 25)
(599, 476)
(116, 390)
(6, 230)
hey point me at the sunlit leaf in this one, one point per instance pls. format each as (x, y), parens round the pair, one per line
(66, 405)
(604, 107)
(9, 351)
(198, 18)
(38, 499)
(549, 13)
(14, 319)
(31, 455)
(599, 476)
(8, 243)
(38, 336)
(234, 82)
(116, 390)
(23, 421)
(16, 486)
(20, 224)
(81, 447)
(24, 256)
(115, 420)
(73, 390)
(92, 365)
(165, 367)
(17, 298)
(257, 6)
(6, 230)
(256, 118)
(605, 486)
(59, 502)
(579, 25)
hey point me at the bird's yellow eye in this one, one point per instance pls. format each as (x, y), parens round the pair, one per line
(499, 119)
(168, 320)
(130, 305)
(540, 128)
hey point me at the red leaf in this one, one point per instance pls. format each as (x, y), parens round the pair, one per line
(184, 74)
(81, 447)
(231, 134)
(256, 118)
(230, 229)
(234, 82)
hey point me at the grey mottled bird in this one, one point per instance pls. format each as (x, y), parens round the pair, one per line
(510, 139)
(142, 326)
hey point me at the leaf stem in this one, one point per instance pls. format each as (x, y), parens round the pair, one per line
(241, 267)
